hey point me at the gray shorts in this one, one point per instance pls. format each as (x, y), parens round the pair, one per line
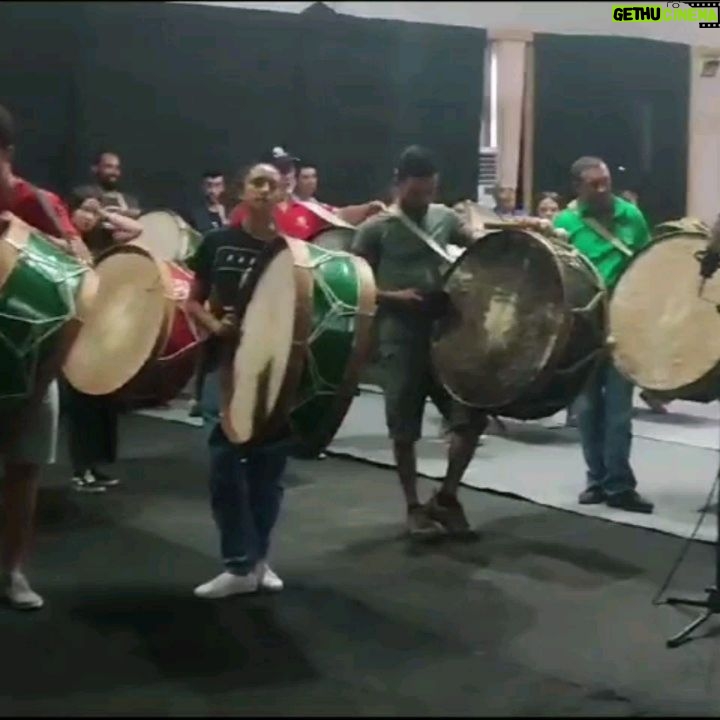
(37, 443)
(408, 381)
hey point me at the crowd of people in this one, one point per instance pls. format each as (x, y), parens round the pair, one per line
(277, 198)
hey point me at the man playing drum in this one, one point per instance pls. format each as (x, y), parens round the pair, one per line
(29, 441)
(245, 481)
(408, 274)
(609, 232)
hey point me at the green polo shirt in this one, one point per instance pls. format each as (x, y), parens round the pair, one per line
(629, 226)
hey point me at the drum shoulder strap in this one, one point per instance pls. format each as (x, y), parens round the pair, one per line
(607, 235)
(49, 211)
(420, 233)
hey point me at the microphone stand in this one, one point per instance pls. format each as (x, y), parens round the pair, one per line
(712, 603)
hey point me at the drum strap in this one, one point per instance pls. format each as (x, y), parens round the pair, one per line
(602, 230)
(329, 217)
(420, 233)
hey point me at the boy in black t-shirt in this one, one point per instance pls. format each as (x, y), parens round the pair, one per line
(245, 482)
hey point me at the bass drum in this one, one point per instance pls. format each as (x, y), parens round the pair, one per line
(129, 323)
(42, 290)
(525, 328)
(168, 236)
(338, 239)
(305, 337)
(171, 367)
(665, 328)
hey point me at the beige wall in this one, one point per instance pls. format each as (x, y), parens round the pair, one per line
(704, 141)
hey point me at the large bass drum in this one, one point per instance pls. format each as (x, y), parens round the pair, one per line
(305, 337)
(42, 290)
(524, 328)
(129, 324)
(168, 236)
(664, 325)
(338, 239)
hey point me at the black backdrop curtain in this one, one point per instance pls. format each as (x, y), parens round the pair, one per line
(610, 97)
(178, 89)
(373, 87)
(38, 56)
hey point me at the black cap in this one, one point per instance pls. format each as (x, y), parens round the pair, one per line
(280, 158)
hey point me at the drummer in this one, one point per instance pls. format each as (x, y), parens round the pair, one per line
(245, 481)
(107, 171)
(297, 218)
(609, 232)
(408, 274)
(30, 441)
(92, 419)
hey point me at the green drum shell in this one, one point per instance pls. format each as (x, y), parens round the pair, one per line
(343, 306)
(36, 301)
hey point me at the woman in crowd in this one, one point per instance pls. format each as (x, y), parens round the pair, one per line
(92, 420)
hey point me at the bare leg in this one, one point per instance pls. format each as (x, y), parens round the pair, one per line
(407, 470)
(19, 499)
(460, 453)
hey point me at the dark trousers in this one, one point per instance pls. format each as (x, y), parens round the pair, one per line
(92, 423)
(245, 488)
(604, 413)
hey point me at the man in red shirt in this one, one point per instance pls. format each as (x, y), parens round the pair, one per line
(29, 440)
(300, 219)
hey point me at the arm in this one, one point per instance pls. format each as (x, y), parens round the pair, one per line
(357, 214)
(462, 233)
(123, 228)
(70, 240)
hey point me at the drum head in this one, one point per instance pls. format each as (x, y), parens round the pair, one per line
(666, 336)
(163, 234)
(506, 321)
(125, 323)
(263, 357)
(335, 238)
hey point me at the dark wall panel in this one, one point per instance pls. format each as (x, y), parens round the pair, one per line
(610, 97)
(180, 88)
(374, 86)
(176, 89)
(38, 44)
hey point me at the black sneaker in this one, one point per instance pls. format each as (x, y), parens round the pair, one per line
(592, 496)
(630, 501)
(86, 482)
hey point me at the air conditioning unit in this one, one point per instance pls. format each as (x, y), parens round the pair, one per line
(487, 175)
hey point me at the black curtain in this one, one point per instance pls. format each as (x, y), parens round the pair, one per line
(372, 87)
(610, 97)
(38, 54)
(177, 89)
(180, 89)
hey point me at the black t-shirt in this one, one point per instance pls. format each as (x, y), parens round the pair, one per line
(230, 262)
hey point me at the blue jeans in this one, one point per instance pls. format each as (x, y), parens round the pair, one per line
(604, 414)
(245, 488)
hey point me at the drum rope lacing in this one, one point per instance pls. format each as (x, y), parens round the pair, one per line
(40, 329)
(338, 310)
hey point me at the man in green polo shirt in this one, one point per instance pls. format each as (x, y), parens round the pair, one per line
(609, 232)
(409, 277)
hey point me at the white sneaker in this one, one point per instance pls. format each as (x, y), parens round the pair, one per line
(88, 483)
(19, 593)
(227, 584)
(268, 578)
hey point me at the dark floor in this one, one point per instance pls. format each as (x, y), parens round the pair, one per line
(548, 613)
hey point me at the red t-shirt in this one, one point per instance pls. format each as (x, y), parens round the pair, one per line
(26, 205)
(294, 220)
